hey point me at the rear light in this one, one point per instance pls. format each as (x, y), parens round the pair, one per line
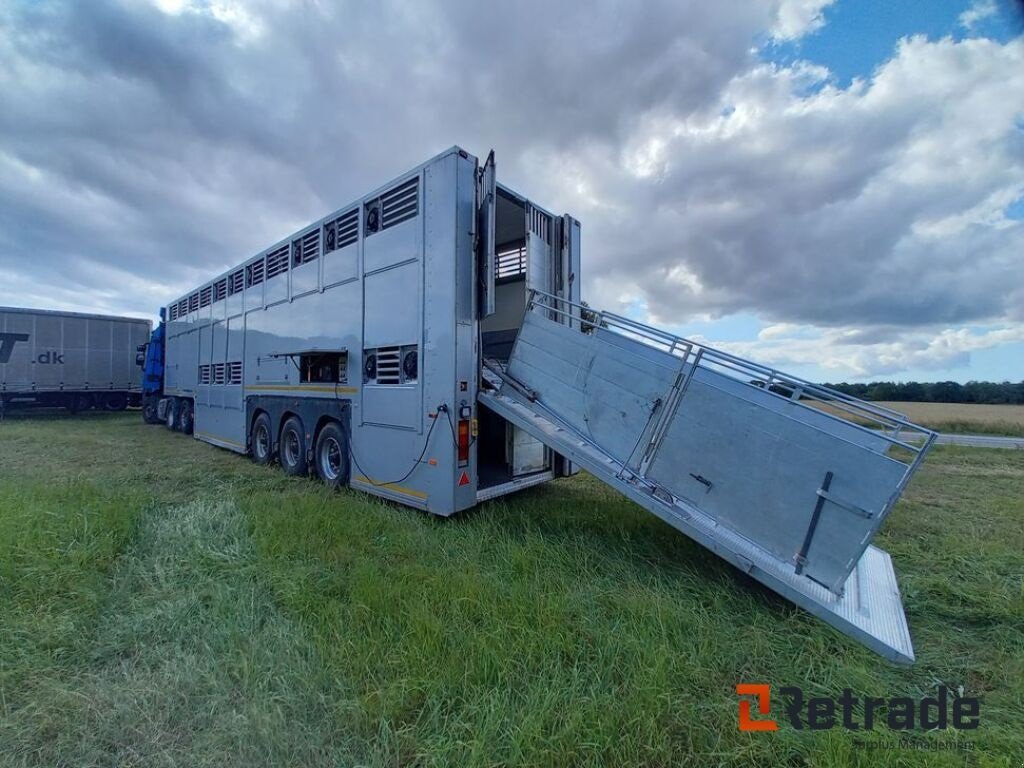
(463, 442)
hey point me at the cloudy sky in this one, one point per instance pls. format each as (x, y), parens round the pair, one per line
(836, 188)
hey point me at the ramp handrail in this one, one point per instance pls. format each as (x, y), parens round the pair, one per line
(890, 426)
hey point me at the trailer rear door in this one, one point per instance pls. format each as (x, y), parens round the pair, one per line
(486, 202)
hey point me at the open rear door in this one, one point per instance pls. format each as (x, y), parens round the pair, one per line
(486, 196)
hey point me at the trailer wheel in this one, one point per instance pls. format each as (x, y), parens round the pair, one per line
(115, 402)
(186, 418)
(80, 403)
(171, 419)
(260, 443)
(293, 448)
(332, 455)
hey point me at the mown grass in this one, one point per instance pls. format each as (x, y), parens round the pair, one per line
(218, 613)
(954, 418)
(965, 418)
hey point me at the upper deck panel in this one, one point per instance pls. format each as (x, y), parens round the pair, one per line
(192, 296)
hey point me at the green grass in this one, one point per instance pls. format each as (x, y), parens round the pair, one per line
(163, 602)
(962, 427)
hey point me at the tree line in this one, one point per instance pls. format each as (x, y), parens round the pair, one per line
(997, 393)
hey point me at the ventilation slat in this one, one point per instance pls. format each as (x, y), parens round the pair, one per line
(236, 281)
(220, 289)
(342, 231)
(389, 365)
(306, 248)
(277, 262)
(254, 273)
(400, 204)
(205, 296)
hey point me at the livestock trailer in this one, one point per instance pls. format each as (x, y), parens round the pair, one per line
(427, 343)
(69, 359)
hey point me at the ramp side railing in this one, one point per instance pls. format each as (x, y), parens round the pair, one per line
(885, 424)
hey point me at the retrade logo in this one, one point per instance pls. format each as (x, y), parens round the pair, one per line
(763, 693)
(821, 713)
(7, 342)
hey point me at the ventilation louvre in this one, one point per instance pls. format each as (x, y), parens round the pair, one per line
(511, 263)
(277, 262)
(540, 224)
(235, 372)
(341, 232)
(254, 274)
(219, 371)
(204, 374)
(400, 204)
(205, 296)
(306, 248)
(236, 282)
(389, 365)
(220, 289)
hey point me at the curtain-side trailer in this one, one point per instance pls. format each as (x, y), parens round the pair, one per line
(69, 359)
(427, 343)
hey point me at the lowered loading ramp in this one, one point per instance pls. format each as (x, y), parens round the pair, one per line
(787, 480)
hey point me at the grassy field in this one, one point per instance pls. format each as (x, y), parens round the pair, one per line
(163, 602)
(965, 418)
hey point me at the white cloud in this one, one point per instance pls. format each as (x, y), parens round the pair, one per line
(797, 18)
(169, 142)
(849, 352)
(979, 11)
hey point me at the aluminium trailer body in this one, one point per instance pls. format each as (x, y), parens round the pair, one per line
(427, 344)
(69, 359)
(367, 319)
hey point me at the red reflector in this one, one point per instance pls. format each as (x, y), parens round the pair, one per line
(464, 479)
(463, 442)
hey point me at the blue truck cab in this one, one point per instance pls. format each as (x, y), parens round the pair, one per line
(151, 358)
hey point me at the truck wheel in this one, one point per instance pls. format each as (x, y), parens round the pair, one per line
(332, 455)
(186, 418)
(293, 448)
(149, 410)
(80, 403)
(171, 419)
(261, 447)
(115, 402)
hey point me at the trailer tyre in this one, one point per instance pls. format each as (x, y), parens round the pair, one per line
(261, 447)
(331, 455)
(186, 416)
(115, 402)
(80, 403)
(171, 418)
(293, 448)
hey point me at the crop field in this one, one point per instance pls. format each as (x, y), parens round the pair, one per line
(965, 418)
(167, 603)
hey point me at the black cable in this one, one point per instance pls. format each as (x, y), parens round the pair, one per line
(415, 464)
